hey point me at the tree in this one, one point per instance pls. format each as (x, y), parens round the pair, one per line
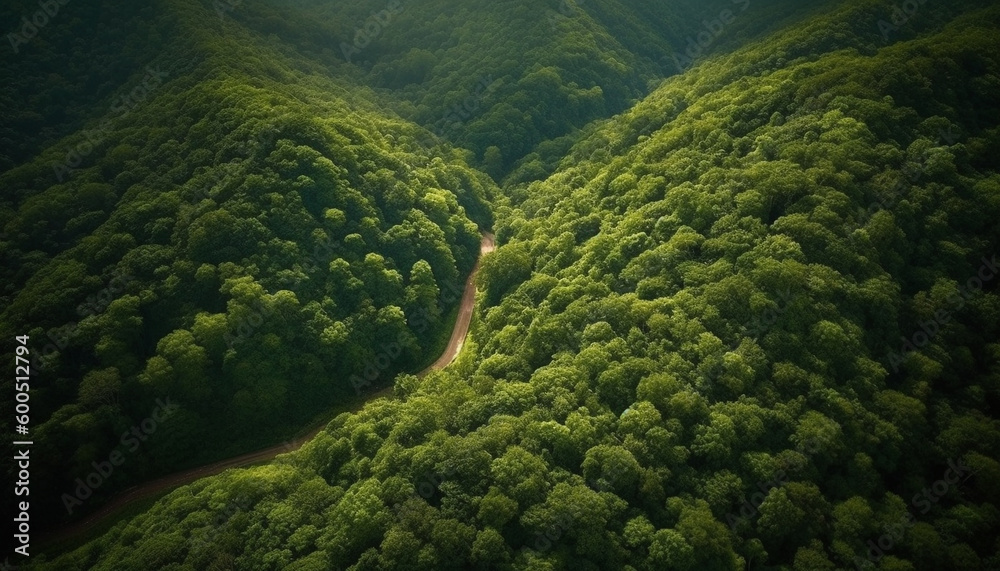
(179, 367)
(489, 550)
(710, 539)
(669, 550)
(496, 509)
(504, 269)
(421, 295)
(812, 557)
(383, 284)
(100, 388)
(520, 475)
(612, 469)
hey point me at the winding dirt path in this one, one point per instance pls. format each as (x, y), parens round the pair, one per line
(154, 487)
(465, 308)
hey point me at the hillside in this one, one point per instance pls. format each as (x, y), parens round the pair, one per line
(512, 82)
(247, 240)
(189, 165)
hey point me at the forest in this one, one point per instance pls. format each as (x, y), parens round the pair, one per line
(743, 312)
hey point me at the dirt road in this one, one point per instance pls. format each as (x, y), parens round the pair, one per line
(155, 487)
(461, 329)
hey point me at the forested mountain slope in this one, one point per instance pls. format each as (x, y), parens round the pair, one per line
(172, 171)
(246, 241)
(509, 79)
(751, 322)
(59, 74)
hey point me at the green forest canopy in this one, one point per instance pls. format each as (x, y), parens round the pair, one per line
(751, 320)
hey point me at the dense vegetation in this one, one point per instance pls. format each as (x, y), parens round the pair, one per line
(749, 322)
(210, 160)
(60, 73)
(237, 240)
(510, 81)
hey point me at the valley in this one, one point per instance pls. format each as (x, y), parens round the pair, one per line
(588, 284)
